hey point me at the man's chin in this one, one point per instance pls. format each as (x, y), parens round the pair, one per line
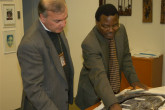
(58, 31)
(109, 36)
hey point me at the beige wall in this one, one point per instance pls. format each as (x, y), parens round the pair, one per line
(0, 60)
(144, 36)
(10, 80)
(80, 21)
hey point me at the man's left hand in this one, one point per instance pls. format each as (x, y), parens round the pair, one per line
(138, 84)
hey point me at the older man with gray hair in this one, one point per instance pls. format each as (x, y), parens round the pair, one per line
(45, 61)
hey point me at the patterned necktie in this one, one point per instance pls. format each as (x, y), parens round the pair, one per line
(114, 77)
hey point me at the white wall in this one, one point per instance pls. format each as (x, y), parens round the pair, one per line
(0, 60)
(10, 79)
(142, 36)
(164, 60)
(80, 21)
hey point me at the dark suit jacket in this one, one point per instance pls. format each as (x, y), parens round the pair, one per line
(93, 83)
(44, 81)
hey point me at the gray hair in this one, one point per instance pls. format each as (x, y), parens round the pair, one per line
(57, 6)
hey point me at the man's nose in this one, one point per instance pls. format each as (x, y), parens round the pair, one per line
(110, 29)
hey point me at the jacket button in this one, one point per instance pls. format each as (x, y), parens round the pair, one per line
(67, 102)
(66, 89)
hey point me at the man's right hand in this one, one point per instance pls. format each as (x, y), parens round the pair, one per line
(115, 107)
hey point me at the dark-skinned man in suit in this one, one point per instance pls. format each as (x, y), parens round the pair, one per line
(94, 83)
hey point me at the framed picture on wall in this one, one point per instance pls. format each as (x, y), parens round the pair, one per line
(101, 2)
(124, 6)
(162, 19)
(8, 15)
(9, 41)
(147, 11)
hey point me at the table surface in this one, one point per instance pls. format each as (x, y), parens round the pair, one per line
(94, 106)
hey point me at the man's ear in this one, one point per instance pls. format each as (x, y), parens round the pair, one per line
(97, 23)
(42, 18)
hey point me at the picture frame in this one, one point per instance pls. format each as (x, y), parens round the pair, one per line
(124, 6)
(147, 11)
(9, 41)
(162, 16)
(8, 15)
(101, 2)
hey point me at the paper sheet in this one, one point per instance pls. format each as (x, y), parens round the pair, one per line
(157, 90)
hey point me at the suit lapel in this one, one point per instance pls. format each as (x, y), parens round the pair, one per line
(52, 51)
(119, 46)
(104, 47)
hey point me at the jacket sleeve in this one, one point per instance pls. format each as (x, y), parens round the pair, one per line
(127, 65)
(31, 64)
(93, 62)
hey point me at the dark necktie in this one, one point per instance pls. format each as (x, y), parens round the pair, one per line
(114, 76)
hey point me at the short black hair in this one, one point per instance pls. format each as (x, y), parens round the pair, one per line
(107, 9)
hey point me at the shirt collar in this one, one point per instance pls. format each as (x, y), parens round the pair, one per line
(44, 26)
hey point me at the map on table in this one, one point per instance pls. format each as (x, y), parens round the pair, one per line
(153, 99)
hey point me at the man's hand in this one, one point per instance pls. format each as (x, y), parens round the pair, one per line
(138, 84)
(115, 107)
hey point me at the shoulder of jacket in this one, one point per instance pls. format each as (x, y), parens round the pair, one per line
(90, 38)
